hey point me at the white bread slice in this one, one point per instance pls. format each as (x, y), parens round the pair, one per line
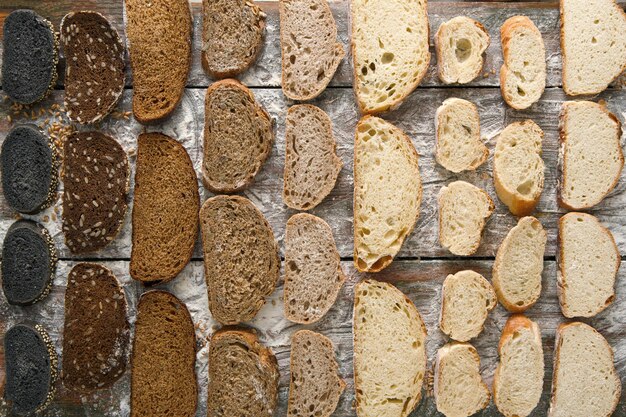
(593, 45)
(458, 387)
(389, 351)
(460, 43)
(523, 74)
(518, 382)
(390, 51)
(518, 168)
(585, 382)
(458, 146)
(463, 212)
(588, 261)
(591, 157)
(466, 300)
(519, 264)
(387, 192)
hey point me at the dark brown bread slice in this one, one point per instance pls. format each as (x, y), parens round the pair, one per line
(96, 175)
(238, 137)
(163, 378)
(243, 376)
(165, 209)
(159, 44)
(241, 261)
(232, 36)
(96, 332)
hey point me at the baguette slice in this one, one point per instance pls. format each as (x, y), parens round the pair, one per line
(518, 382)
(390, 51)
(588, 263)
(389, 351)
(387, 192)
(519, 265)
(585, 382)
(591, 157)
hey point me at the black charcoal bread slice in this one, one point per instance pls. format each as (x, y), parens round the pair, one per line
(96, 332)
(29, 58)
(29, 169)
(96, 178)
(31, 368)
(94, 69)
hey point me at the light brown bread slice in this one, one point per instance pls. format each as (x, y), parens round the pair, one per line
(315, 386)
(311, 162)
(389, 351)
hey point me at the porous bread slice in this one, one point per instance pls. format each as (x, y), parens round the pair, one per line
(519, 264)
(311, 162)
(458, 145)
(463, 212)
(390, 51)
(315, 386)
(309, 47)
(592, 44)
(588, 260)
(518, 168)
(518, 382)
(466, 300)
(389, 351)
(387, 192)
(585, 382)
(460, 43)
(458, 387)
(523, 73)
(313, 275)
(591, 157)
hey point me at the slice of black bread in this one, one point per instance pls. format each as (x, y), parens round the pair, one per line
(31, 368)
(232, 36)
(165, 209)
(241, 261)
(163, 378)
(29, 57)
(96, 175)
(94, 66)
(243, 375)
(238, 137)
(159, 44)
(96, 332)
(29, 260)
(30, 172)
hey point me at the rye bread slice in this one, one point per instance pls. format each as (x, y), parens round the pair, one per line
(94, 66)
(29, 260)
(165, 209)
(96, 177)
(238, 137)
(163, 378)
(241, 261)
(96, 333)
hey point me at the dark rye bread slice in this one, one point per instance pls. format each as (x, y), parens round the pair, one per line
(96, 175)
(232, 36)
(159, 44)
(243, 375)
(311, 162)
(238, 137)
(29, 57)
(313, 275)
(165, 209)
(163, 378)
(30, 173)
(241, 261)
(29, 260)
(96, 333)
(94, 66)
(31, 369)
